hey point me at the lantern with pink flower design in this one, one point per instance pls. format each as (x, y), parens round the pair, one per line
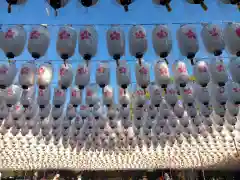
(201, 2)
(65, 75)
(162, 41)
(123, 74)
(59, 97)
(142, 73)
(232, 38)
(218, 71)
(180, 73)
(14, 41)
(66, 42)
(138, 42)
(44, 75)
(38, 41)
(8, 73)
(233, 89)
(27, 75)
(57, 4)
(234, 69)
(14, 2)
(212, 37)
(75, 96)
(165, 3)
(44, 96)
(116, 43)
(201, 73)
(82, 77)
(187, 41)
(88, 42)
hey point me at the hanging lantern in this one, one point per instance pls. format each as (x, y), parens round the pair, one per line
(44, 112)
(4, 111)
(103, 75)
(218, 71)
(162, 41)
(27, 74)
(13, 95)
(218, 93)
(123, 75)
(233, 92)
(180, 73)
(66, 42)
(75, 96)
(124, 98)
(17, 111)
(108, 96)
(59, 97)
(82, 77)
(202, 94)
(28, 96)
(44, 96)
(188, 41)
(171, 95)
(234, 67)
(57, 4)
(155, 94)
(57, 112)
(201, 73)
(88, 43)
(7, 74)
(31, 111)
(38, 41)
(45, 75)
(71, 112)
(92, 97)
(187, 94)
(138, 42)
(65, 76)
(116, 43)
(14, 41)
(212, 36)
(142, 73)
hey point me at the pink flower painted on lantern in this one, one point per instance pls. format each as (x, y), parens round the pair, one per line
(238, 32)
(190, 34)
(101, 70)
(41, 92)
(162, 34)
(188, 91)
(9, 92)
(24, 70)
(74, 93)
(163, 71)
(214, 32)
(140, 92)
(83, 107)
(59, 93)
(63, 35)
(182, 68)
(140, 35)
(108, 94)
(115, 35)
(62, 71)
(9, 34)
(89, 92)
(85, 35)
(35, 35)
(122, 70)
(236, 90)
(3, 70)
(171, 91)
(82, 70)
(41, 70)
(143, 70)
(121, 91)
(17, 107)
(202, 69)
(220, 68)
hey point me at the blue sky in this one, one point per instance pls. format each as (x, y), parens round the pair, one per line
(108, 12)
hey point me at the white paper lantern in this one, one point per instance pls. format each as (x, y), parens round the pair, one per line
(123, 74)
(92, 95)
(59, 97)
(138, 42)
(57, 112)
(180, 73)
(201, 73)
(71, 112)
(232, 108)
(44, 96)
(192, 111)
(233, 91)
(124, 97)
(187, 94)
(38, 41)
(232, 38)
(17, 111)
(206, 110)
(88, 42)
(162, 41)
(44, 112)
(212, 36)
(234, 67)
(31, 111)
(45, 75)
(108, 96)
(218, 93)
(82, 77)
(179, 109)
(142, 73)
(65, 75)
(14, 41)
(12, 95)
(103, 74)
(218, 71)
(116, 43)
(171, 95)
(27, 74)
(66, 42)
(155, 94)
(161, 72)
(7, 74)
(75, 96)
(188, 41)
(139, 97)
